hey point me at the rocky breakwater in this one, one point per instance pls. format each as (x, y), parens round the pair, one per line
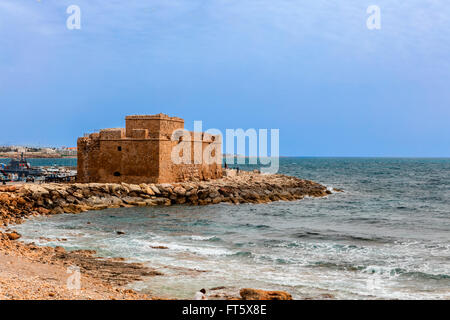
(18, 202)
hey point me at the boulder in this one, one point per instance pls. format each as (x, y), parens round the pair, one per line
(146, 189)
(213, 194)
(163, 201)
(43, 211)
(180, 200)
(151, 202)
(165, 187)
(133, 200)
(57, 210)
(13, 235)
(134, 188)
(255, 294)
(86, 193)
(38, 191)
(217, 200)
(78, 195)
(59, 249)
(180, 191)
(115, 188)
(154, 188)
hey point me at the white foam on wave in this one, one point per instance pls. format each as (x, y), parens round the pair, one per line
(200, 250)
(201, 238)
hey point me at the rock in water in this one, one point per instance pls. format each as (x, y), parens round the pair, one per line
(255, 294)
(159, 247)
(13, 235)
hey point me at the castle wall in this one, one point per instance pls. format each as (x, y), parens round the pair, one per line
(88, 152)
(141, 153)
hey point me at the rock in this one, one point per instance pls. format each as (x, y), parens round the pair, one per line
(159, 247)
(133, 200)
(165, 187)
(134, 188)
(230, 173)
(120, 232)
(78, 195)
(180, 191)
(217, 200)
(146, 189)
(218, 288)
(13, 235)
(8, 188)
(86, 192)
(57, 210)
(151, 202)
(37, 191)
(60, 202)
(163, 201)
(43, 211)
(255, 294)
(59, 249)
(180, 200)
(71, 199)
(155, 189)
(214, 194)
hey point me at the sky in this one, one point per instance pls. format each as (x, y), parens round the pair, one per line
(310, 68)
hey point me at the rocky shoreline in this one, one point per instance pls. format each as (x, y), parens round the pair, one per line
(28, 271)
(20, 201)
(105, 278)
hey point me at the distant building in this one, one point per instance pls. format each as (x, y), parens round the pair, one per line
(67, 151)
(48, 150)
(142, 153)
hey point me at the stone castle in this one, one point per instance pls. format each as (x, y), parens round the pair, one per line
(142, 153)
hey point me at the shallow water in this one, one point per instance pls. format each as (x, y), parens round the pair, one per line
(387, 236)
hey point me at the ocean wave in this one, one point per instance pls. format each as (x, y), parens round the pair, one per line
(205, 238)
(424, 275)
(342, 266)
(386, 271)
(182, 247)
(402, 272)
(331, 236)
(245, 254)
(259, 226)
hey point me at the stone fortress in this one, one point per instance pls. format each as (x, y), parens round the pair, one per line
(142, 153)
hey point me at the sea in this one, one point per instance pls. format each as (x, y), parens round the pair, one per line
(387, 236)
(46, 162)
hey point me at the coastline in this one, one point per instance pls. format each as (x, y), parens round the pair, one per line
(35, 155)
(106, 278)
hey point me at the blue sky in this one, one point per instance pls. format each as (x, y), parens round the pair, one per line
(310, 68)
